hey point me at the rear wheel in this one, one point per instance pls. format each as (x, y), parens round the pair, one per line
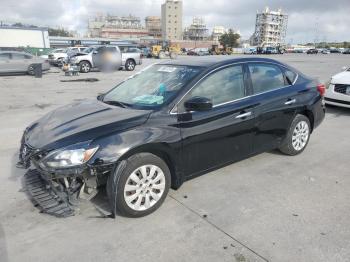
(298, 136)
(85, 67)
(130, 65)
(141, 186)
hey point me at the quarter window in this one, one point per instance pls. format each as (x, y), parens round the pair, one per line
(265, 77)
(290, 76)
(223, 86)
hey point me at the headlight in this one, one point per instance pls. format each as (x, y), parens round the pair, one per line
(69, 157)
(328, 83)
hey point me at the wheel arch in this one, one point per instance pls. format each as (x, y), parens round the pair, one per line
(163, 151)
(85, 61)
(130, 59)
(310, 115)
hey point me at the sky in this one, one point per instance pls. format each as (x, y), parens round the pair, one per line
(308, 20)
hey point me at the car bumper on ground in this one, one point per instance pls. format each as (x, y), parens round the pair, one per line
(338, 95)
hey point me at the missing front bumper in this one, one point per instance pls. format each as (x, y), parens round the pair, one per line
(44, 196)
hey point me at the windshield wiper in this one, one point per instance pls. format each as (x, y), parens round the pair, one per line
(117, 103)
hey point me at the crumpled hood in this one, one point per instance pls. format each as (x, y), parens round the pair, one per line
(341, 78)
(80, 122)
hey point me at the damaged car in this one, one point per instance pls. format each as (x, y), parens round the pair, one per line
(168, 123)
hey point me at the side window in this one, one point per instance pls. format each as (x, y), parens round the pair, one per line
(4, 56)
(16, 56)
(290, 76)
(223, 86)
(265, 77)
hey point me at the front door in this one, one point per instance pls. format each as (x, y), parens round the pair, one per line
(223, 134)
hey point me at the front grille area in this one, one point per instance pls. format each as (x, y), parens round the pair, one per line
(343, 89)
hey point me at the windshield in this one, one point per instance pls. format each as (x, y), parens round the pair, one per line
(152, 87)
(89, 49)
(59, 51)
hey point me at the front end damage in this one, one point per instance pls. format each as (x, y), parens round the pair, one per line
(58, 192)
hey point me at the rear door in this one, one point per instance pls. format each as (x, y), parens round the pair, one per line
(277, 101)
(224, 133)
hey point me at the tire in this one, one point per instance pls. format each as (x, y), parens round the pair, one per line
(298, 136)
(173, 55)
(30, 70)
(161, 55)
(121, 184)
(84, 66)
(130, 65)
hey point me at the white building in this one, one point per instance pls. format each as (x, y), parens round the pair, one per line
(218, 31)
(24, 37)
(172, 20)
(270, 28)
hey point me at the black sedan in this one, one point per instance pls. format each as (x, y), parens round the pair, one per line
(167, 124)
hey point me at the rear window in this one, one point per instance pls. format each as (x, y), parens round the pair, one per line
(16, 56)
(4, 56)
(265, 77)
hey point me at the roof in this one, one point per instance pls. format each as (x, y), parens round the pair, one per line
(209, 61)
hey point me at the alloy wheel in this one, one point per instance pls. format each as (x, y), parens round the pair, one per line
(130, 66)
(300, 135)
(144, 187)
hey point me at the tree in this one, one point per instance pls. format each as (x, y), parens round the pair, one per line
(59, 32)
(229, 39)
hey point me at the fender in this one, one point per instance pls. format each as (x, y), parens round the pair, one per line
(118, 147)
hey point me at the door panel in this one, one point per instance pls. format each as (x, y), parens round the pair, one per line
(4, 62)
(224, 133)
(217, 137)
(277, 105)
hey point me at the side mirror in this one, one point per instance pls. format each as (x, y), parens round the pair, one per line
(100, 97)
(344, 68)
(198, 103)
(95, 52)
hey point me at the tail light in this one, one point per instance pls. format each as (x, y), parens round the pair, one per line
(321, 88)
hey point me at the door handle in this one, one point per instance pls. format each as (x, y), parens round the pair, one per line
(243, 115)
(290, 102)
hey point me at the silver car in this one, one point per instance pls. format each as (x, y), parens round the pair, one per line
(20, 62)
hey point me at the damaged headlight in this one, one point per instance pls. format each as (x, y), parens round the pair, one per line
(69, 157)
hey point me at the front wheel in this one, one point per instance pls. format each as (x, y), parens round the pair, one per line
(140, 187)
(85, 67)
(298, 136)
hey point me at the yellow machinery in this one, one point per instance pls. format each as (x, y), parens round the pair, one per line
(165, 49)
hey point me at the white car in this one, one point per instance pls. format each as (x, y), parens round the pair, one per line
(338, 90)
(58, 56)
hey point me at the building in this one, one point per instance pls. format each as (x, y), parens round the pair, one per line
(197, 31)
(172, 20)
(270, 28)
(110, 26)
(11, 36)
(153, 26)
(218, 31)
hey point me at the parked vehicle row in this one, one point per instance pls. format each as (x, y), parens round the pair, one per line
(167, 124)
(20, 62)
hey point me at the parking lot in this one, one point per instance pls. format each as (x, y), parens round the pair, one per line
(270, 207)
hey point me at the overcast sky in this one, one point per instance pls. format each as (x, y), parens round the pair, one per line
(308, 19)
